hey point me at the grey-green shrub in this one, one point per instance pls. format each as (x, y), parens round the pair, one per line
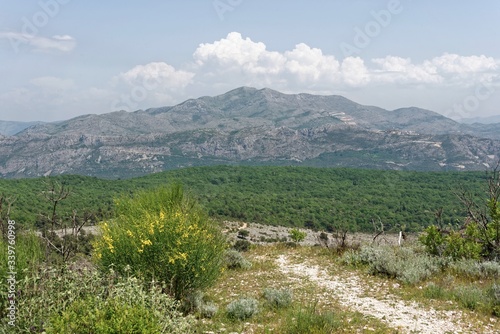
(278, 298)
(208, 309)
(236, 260)
(195, 302)
(51, 299)
(405, 264)
(242, 308)
(476, 269)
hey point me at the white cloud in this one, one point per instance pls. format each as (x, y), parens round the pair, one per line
(355, 72)
(153, 84)
(453, 63)
(235, 61)
(399, 70)
(157, 75)
(309, 65)
(60, 43)
(446, 69)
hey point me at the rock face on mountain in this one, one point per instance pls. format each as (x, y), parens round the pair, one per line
(249, 126)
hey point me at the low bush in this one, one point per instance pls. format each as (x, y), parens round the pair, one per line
(108, 316)
(405, 264)
(242, 308)
(297, 235)
(242, 245)
(494, 295)
(434, 291)
(469, 296)
(196, 303)
(475, 269)
(278, 298)
(59, 300)
(309, 320)
(208, 310)
(236, 260)
(243, 234)
(351, 258)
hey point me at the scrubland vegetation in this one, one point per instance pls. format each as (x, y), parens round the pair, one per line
(316, 198)
(161, 263)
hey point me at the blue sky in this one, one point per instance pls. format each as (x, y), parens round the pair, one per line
(63, 58)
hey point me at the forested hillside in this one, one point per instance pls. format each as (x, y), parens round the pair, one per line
(321, 198)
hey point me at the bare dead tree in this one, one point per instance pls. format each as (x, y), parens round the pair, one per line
(378, 230)
(63, 237)
(438, 217)
(56, 193)
(65, 242)
(340, 236)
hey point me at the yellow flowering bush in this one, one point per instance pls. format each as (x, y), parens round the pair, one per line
(163, 235)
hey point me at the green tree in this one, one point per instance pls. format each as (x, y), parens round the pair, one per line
(480, 234)
(297, 236)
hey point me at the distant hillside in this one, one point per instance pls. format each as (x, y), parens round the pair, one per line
(248, 108)
(481, 120)
(250, 127)
(9, 128)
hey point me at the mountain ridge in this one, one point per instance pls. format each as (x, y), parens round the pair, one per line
(249, 126)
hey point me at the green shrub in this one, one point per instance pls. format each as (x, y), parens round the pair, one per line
(242, 245)
(103, 317)
(236, 260)
(297, 236)
(480, 235)
(278, 298)
(163, 235)
(242, 308)
(309, 320)
(53, 297)
(128, 308)
(494, 295)
(433, 240)
(434, 291)
(243, 233)
(467, 246)
(351, 258)
(469, 296)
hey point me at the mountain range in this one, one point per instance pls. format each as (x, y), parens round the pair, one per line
(249, 126)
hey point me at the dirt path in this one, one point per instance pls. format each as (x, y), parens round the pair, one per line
(402, 315)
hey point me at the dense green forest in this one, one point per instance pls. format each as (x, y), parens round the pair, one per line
(320, 198)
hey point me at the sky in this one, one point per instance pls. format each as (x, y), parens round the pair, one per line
(63, 58)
